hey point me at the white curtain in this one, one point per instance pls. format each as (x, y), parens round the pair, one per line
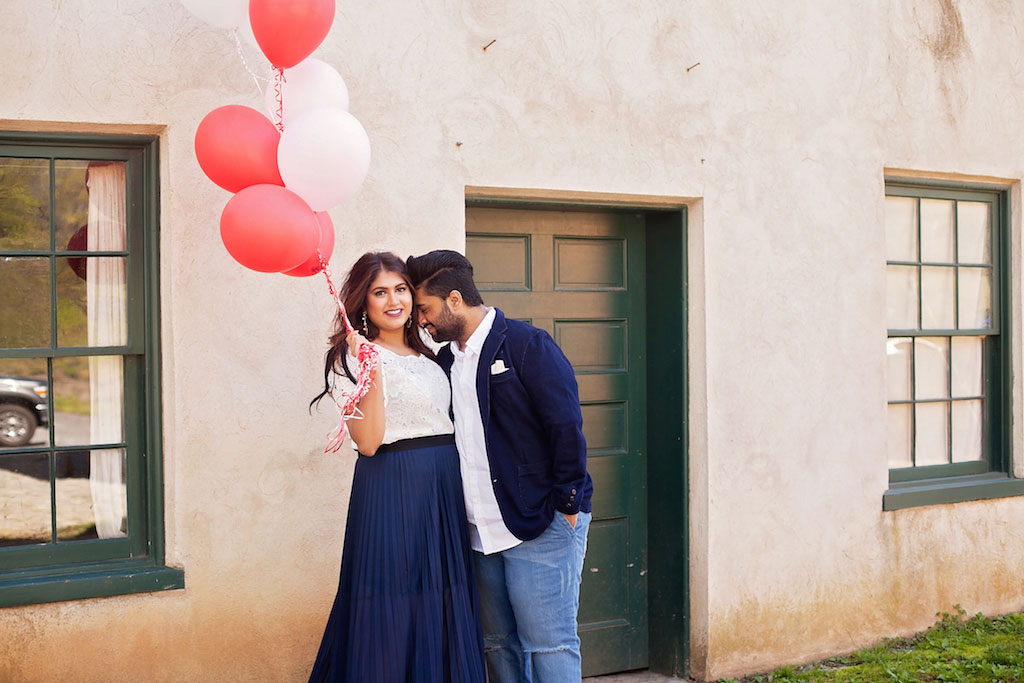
(106, 289)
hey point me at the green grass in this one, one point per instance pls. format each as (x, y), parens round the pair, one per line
(974, 650)
(71, 404)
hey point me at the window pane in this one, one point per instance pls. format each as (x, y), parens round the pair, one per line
(88, 400)
(901, 297)
(72, 306)
(107, 208)
(25, 302)
(931, 438)
(25, 503)
(107, 486)
(899, 435)
(76, 520)
(900, 229)
(931, 367)
(24, 414)
(967, 440)
(967, 369)
(898, 372)
(973, 241)
(975, 299)
(70, 201)
(938, 288)
(24, 204)
(937, 230)
(91, 312)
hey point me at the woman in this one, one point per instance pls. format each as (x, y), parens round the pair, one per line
(407, 608)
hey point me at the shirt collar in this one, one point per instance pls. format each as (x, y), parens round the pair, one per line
(475, 343)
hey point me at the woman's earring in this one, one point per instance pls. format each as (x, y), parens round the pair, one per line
(408, 323)
(366, 332)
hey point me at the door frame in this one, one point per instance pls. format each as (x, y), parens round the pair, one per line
(668, 567)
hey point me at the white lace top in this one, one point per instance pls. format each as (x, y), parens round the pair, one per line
(416, 395)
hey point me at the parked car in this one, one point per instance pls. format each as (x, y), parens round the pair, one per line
(22, 409)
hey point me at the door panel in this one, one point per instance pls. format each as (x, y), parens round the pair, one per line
(580, 276)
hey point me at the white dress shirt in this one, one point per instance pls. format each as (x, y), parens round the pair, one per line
(487, 531)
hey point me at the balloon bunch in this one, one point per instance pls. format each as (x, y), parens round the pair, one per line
(288, 168)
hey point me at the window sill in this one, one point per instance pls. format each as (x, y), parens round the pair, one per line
(909, 494)
(96, 581)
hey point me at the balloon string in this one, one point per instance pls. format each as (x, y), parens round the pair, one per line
(245, 63)
(368, 361)
(279, 79)
(326, 269)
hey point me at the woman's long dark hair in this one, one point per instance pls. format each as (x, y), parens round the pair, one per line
(354, 292)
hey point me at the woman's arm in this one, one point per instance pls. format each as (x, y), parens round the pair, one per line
(368, 431)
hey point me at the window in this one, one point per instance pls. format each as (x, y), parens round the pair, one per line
(80, 487)
(948, 348)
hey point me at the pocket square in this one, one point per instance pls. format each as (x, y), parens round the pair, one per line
(498, 367)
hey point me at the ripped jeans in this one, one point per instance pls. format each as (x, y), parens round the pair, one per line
(529, 599)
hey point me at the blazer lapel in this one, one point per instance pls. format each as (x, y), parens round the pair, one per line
(483, 371)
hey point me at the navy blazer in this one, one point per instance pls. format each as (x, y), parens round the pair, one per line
(532, 426)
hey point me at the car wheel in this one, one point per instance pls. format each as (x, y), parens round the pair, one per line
(17, 425)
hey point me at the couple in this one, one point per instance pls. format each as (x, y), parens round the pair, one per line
(408, 607)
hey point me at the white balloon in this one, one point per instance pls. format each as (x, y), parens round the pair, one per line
(324, 156)
(221, 13)
(308, 85)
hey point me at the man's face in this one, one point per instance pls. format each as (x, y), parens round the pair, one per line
(434, 315)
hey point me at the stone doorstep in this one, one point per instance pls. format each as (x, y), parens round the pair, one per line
(636, 677)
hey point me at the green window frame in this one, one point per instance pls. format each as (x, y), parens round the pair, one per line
(132, 560)
(948, 344)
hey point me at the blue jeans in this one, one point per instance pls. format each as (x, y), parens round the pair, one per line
(529, 599)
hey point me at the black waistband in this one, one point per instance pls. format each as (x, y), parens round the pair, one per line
(419, 442)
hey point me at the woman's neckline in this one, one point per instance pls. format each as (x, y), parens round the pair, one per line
(413, 354)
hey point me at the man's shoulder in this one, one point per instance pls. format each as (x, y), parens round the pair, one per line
(520, 329)
(522, 337)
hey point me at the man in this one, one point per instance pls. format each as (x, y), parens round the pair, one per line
(519, 432)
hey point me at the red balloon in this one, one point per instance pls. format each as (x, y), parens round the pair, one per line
(311, 266)
(236, 147)
(269, 229)
(289, 30)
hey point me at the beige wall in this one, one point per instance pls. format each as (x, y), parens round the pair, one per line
(779, 119)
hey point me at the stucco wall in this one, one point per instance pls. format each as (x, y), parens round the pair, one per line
(801, 561)
(780, 118)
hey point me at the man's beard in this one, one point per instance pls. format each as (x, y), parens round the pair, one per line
(447, 326)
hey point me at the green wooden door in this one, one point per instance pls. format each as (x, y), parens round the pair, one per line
(580, 276)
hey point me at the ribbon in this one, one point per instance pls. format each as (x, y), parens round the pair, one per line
(368, 361)
(238, 48)
(279, 122)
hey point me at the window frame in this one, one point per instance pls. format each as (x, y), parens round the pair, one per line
(989, 477)
(136, 563)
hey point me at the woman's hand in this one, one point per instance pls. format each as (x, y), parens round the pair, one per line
(354, 341)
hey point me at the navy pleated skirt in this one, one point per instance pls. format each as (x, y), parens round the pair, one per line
(407, 609)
